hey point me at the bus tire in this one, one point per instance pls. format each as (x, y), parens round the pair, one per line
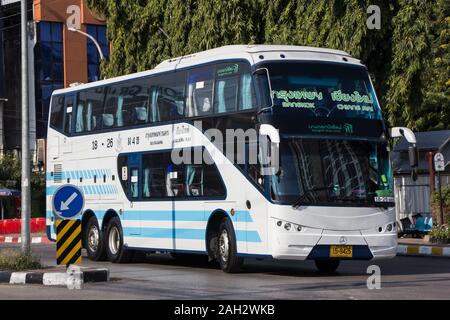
(114, 243)
(93, 240)
(327, 266)
(227, 249)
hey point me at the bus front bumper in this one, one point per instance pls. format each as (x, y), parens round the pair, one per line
(316, 244)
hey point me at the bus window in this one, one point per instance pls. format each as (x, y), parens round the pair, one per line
(200, 92)
(247, 98)
(213, 186)
(79, 117)
(92, 102)
(129, 104)
(57, 112)
(153, 175)
(134, 183)
(175, 180)
(226, 87)
(167, 97)
(194, 180)
(69, 112)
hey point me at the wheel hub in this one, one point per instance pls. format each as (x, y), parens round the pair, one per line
(224, 245)
(93, 238)
(114, 240)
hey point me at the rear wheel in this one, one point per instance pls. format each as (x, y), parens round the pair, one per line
(327, 266)
(93, 240)
(226, 248)
(114, 243)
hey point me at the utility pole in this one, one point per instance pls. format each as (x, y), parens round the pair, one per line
(26, 195)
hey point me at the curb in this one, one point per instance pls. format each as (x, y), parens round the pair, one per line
(416, 250)
(53, 278)
(6, 239)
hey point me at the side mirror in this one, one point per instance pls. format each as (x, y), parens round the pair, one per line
(413, 155)
(414, 174)
(398, 132)
(265, 88)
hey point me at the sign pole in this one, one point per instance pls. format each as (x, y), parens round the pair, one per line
(439, 165)
(26, 196)
(441, 202)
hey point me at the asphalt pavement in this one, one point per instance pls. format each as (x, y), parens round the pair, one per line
(161, 277)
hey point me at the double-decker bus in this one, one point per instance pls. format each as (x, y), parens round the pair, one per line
(319, 188)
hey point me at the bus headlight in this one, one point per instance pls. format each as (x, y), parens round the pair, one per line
(389, 227)
(279, 223)
(287, 226)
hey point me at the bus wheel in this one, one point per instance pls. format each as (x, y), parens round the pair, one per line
(114, 243)
(327, 266)
(226, 248)
(93, 240)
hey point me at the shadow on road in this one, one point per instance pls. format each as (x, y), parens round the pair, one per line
(394, 267)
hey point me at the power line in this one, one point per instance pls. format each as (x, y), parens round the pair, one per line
(10, 27)
(13, 15)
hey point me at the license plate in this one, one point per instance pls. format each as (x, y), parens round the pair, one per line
(341, 251)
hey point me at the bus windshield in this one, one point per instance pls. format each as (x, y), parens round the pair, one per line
(323, 90)
(333, 172)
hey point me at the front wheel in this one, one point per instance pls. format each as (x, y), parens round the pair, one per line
(114, 243)
(226, 248)
(327, 266)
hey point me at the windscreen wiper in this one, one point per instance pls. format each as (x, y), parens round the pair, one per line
(306, 193)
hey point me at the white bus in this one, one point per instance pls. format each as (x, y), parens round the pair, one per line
(330, 197)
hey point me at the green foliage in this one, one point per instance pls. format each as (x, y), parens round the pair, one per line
(408, 57)
(15, 260)
(10, 172)
(440, 232)
(445, 197)
(10, 175)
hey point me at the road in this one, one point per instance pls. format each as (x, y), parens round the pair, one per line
(160, 277)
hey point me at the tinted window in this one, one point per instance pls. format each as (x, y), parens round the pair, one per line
(161, 178)
(69, 113)
(154, 175)
(167, 97)
(233, 88)
(90, 115)
(323, 90)
(200, 92)
(57, 112)
(134, 183)
(128, 103)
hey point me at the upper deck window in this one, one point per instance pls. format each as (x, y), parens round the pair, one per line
(326, 90)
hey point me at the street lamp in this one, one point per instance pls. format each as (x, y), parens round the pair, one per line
(90, 37)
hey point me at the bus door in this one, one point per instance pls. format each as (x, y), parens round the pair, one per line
(157, 205)
(255, 204)
(134, 188)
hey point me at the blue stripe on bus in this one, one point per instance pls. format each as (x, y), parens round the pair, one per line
(85, 174)
(180, 215)
(247, 236)
(88, 189)
(197, 234)
(192, 234)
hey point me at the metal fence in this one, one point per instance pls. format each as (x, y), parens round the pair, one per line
(413, 197)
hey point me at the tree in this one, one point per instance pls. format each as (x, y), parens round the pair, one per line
(408, 58)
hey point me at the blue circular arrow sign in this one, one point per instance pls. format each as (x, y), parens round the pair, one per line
(68, 202)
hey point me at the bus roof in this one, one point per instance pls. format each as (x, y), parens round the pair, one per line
(252, 53)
